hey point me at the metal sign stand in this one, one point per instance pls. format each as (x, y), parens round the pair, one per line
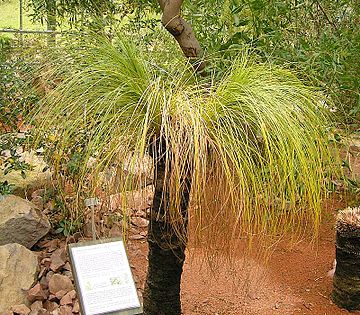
(92, 203)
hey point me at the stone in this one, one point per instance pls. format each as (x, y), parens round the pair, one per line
(35, 178)
(36, 293)
(20, 309)
(51, 245)
(72, 294)
(58, 260)
(46, 262)
(60, 282)
(65, 310)
(60, 294)
(76, 307)
(68, 274)
(41, 311)
(140, 222)
(52, 298)
(115, 231)
(136, 237)
(67, 266)
(18, 273)
(44, 282)
(21, 222)
(139, 169)
(42, 272)
(7, 313)
(50, 306)
(136, 199)
(37, 305)
(66, 300)
(49, 275)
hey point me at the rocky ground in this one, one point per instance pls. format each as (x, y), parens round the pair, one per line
(294, 281)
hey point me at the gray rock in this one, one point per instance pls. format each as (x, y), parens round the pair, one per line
(18, 270)
(21, 222)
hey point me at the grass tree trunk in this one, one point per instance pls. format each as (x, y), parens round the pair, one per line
(346, 290)
(166, 249)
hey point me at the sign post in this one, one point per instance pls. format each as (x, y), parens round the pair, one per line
(103, 278)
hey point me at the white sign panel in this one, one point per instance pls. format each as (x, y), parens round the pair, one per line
(104, 278)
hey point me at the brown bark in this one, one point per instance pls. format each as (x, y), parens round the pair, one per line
(182, 32)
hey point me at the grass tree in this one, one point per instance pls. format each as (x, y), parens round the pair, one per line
(243, 155)
(346, 289)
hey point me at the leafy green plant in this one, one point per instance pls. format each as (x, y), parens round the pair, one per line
(320, 40)
(93, 14)
(6, 188)
(13, 163)
(10, 143)
(17, 95)
(5, 47)
(67, 227)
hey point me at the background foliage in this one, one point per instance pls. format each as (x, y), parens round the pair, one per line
(16, 94)
(318, 39)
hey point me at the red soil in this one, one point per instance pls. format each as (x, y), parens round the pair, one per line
(294, 281)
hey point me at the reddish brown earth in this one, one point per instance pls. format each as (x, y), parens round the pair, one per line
(294, 281)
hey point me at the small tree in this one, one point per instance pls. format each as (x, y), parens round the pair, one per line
(248, 152)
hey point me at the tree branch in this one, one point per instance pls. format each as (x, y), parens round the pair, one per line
(182, 32)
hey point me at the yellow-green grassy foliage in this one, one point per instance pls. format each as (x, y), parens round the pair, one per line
(254, 142)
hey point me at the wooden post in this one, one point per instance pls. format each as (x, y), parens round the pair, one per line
(346, 289)
(21, 21)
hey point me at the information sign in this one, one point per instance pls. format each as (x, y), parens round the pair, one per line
(103, 278)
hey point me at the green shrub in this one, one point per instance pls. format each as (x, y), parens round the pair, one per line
(16, 93)
(320, 40)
